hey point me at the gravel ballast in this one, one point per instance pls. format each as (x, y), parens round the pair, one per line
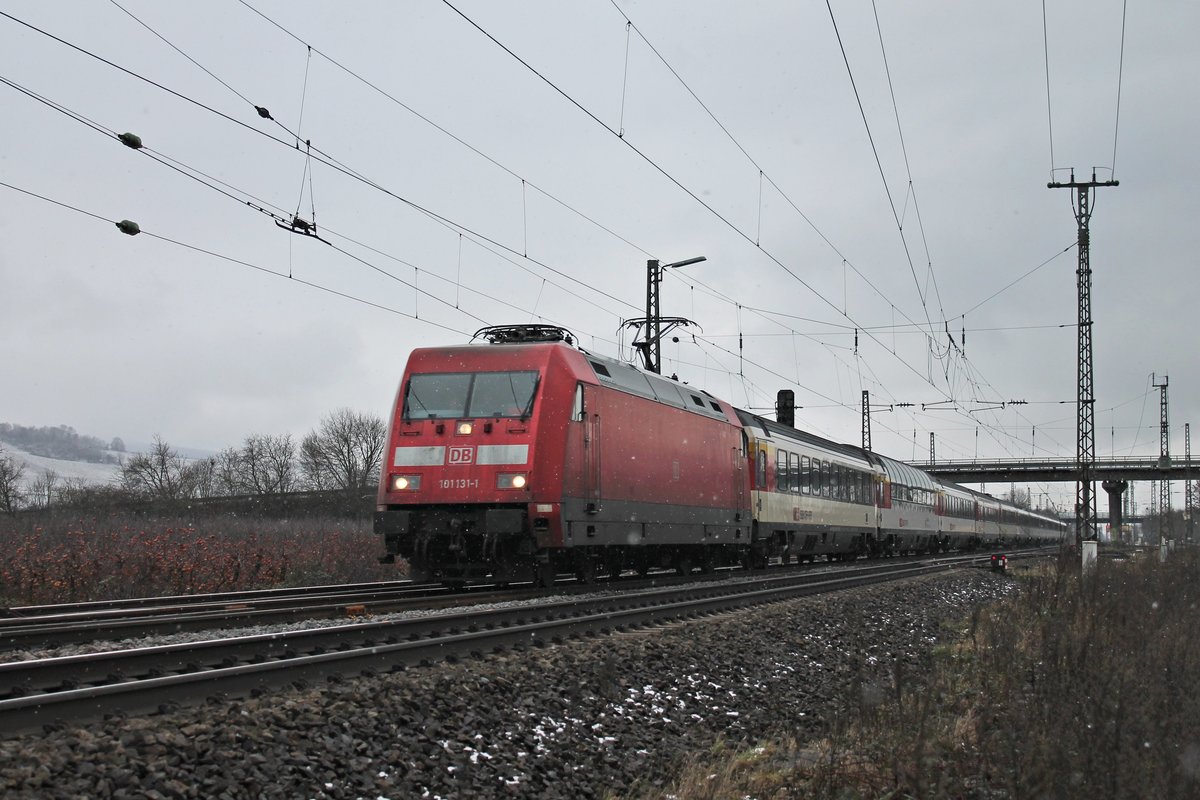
(579, 720)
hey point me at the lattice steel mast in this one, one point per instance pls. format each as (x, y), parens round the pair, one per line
(1085, 451)
(866, 420)
(1166, 530)
(1189, 490)
(657, 326)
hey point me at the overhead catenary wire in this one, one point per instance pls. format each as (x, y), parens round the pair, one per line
(327, 160)
(679, 184)
(1049, 113)
(250, 265)
(493, 242)
(452, 223)
(443, 130)
(230, 259)
(481, 245)
(763, 175)
(879, 164)
(278, 214)
(967, 413)
(661, 170)
(931, 274)
(1120, 77)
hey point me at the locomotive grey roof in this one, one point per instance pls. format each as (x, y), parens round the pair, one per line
(629, 378)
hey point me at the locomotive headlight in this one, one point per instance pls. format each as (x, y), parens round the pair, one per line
(511, 481)
(464, 428)
(406, 483)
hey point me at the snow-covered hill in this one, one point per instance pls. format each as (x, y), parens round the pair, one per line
(38, 466)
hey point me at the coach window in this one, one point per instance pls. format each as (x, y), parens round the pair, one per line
(760, 470)
(826, 479)
(793, 473)
(781, 471)
(852, 485)
(805, 476)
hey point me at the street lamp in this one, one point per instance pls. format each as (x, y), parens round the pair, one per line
(657, 326)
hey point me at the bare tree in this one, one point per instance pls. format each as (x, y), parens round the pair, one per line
(344, 451)
(263, 465)
(279, 461)
(11, 493)
(198, 478)
(41, 492)
(269, 463)
(227, 472)
(160, 474)
(1020, 497)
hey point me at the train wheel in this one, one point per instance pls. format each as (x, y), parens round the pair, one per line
(544, 574)
(586, 572)
(642, 562)
(683, 566)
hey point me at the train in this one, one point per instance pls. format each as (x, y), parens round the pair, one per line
(520, 456)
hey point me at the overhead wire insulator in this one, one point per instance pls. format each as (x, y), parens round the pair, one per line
(131, 140)
(262, 112)
(129, 227)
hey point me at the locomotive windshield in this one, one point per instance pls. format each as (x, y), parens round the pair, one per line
(452, 395)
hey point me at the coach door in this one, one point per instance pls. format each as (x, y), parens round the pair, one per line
(585, 407)
(740, 478)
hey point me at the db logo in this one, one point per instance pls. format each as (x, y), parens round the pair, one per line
(461, 455)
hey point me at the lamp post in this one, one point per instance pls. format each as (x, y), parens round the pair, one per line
(657, 326)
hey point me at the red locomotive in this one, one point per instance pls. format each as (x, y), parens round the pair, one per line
(526, 457)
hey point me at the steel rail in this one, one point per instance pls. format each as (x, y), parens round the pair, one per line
(213, 598)
(56, 630)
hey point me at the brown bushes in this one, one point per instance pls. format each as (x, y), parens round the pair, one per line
(58, 558)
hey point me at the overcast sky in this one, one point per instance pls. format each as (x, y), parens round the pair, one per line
(136, 336)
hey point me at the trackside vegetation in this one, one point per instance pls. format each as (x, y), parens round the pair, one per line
(63, 558)
(1076, 687)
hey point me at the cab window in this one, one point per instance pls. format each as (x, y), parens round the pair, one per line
(470, 394)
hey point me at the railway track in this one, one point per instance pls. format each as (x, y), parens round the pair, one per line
(51, 626)
(75, 689)
(28, 627)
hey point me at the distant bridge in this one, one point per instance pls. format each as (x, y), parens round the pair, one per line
(1062, 469)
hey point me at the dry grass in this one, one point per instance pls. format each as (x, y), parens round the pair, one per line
(1075, 689)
